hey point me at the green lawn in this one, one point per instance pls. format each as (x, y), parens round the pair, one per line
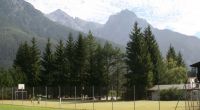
(119, 105)
(16, 107)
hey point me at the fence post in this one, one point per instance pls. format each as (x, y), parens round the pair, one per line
(59, 97)
(22, 96)
(46, 96)
(134, 96)
(33, 96)
(112, 97)
(2, 94)
(12, 95)
(159, 97)
(75, 97)
(93, 96)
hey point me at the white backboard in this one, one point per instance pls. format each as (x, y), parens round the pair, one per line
(21, 86)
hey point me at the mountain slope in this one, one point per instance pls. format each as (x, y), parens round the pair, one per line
(19, 22)
(22, 15)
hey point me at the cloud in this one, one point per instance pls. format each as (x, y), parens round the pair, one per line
(180, 15)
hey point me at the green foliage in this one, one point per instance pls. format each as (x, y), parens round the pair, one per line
(69, 55)
(35, 65)
(176, 71)
(174, 74)
(6, 79)
(47, 65)
(60, 74)
(22, 61)
(180, 61)
(171, 54)
(139, 63)
(80, 61)
(91, 46)
(27, 62)
(156, 58)
(171, 94)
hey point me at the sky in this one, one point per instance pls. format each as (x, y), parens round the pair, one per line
(178, 15)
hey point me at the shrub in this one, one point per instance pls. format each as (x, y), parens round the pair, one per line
(172, 94)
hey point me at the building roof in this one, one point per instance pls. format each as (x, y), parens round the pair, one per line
(177, 86)
(197, 64)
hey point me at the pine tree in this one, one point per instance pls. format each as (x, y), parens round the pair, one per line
(69, 55)
(171, 54)
(99, 76)
(47, 65)
(155, 54)
(60, 74)
(80, 61)
(22, 61)
(139, 64)
(91, 47)
(35, 63)
(180, 61)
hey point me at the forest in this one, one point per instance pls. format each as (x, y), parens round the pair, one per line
(85, 62)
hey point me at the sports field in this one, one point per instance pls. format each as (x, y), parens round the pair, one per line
(122, 105)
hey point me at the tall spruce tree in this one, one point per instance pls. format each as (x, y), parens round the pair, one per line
(61, 73)
(69, 55)
(35, 63)
(180, 61)
(80, 61)
(91, 47)
(99, 76)
(155, 54)
(21, 60)
(171, 54)
(47, 65)
(139, 64)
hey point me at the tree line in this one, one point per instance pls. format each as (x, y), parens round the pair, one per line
(84, 62)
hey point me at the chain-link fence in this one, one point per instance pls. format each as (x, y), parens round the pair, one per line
(102, 98)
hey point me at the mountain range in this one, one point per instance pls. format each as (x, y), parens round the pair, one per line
(118, 28)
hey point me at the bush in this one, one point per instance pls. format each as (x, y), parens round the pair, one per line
(172, 94)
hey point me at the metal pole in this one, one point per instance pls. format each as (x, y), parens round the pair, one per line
(198, 98)
(134, 96)
(112, 97)
(75, 97)
(93, 96)
(185, 97)
(33, 95)
(22, 96)
(12, 96)
(59, 97)
(46, 96)
(159, 97)
(2, 94)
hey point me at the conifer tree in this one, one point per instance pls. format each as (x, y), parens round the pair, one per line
(22, 61)
(139, 64)
(156, 58)
(60, 74)
(171, 53)
(69, 55)
(80, 61)
(91, 47)
(47, 65)
(180, 61)
(35, 63)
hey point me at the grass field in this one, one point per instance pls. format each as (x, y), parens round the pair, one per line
(122, 105)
